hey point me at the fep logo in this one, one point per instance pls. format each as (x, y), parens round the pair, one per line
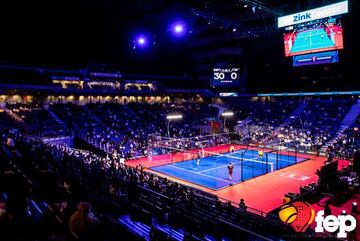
(342, 223)
(300, 215)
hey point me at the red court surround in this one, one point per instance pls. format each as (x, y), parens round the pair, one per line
(264, 193)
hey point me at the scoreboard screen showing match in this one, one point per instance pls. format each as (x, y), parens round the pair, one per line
(313, 37)
(226, 77)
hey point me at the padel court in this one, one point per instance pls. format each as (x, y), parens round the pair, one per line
(263, 193)
(212, 171)
(311, 40)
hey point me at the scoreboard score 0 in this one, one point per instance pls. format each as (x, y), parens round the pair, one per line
(225, 77)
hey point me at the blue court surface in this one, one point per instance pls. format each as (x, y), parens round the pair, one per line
(311, 40)
(212, 171)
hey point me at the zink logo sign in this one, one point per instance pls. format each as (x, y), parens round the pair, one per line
(302, 17)
(314, 14)
(299, 215)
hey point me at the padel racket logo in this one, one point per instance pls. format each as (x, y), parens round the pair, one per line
(298, 214)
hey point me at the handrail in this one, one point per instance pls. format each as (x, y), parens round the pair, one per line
(220, 219)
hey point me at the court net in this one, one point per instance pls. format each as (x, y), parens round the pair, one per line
(242, 158)
(210, 155)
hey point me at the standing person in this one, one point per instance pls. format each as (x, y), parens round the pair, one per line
(202, 152)
(231, 170)
(198, 158)
(232, 149)
(150, 155)
(260, 155)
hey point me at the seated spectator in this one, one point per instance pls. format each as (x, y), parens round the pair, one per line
(82, 223)
(242, 205)
(10, 143)
(229, 208)
(2, 207)
(218, 204)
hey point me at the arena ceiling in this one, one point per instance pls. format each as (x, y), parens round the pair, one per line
(76, 33)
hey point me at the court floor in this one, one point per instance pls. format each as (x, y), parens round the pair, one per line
(311, 40)
(212, 171)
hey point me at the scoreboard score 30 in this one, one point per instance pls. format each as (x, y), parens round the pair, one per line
(225, 77)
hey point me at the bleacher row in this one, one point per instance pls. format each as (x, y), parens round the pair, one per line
(45, 191)
(124, 128)
(57, 180)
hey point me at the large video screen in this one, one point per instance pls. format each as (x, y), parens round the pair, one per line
(314, 36)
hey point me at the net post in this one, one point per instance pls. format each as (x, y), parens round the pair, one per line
(242, 167)
(277, 159)
(267, 162)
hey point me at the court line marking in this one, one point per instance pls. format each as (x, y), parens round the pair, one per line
(239, 162)
(220, 167)
(272, 164)
(212, 177)
(271, 158)
(201, 174)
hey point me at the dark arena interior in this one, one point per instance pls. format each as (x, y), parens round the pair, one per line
(169, 120)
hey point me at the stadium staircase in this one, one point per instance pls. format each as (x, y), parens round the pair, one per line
(351, 116)
(297, 111)
(221, 109)
(96, 118)
(143, 230)
(13, 115)
(336, 136)
(20, 121)
(348, 121)
(55, 117)
(128, 109)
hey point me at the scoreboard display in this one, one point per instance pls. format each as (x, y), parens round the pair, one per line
(314, 36)
(226, 77)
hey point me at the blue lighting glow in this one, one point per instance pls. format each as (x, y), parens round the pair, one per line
(140, 41)
(178, 29)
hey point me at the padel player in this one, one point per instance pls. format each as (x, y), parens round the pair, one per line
(232, 149)
(260, 155)
(230, 169)
(198, 158)
(150, 156)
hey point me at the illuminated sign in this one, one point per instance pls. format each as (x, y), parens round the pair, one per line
(223, 77)
(314, 14)
(100, 74)
(317, 58)
(229, 94)
(71, 78)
